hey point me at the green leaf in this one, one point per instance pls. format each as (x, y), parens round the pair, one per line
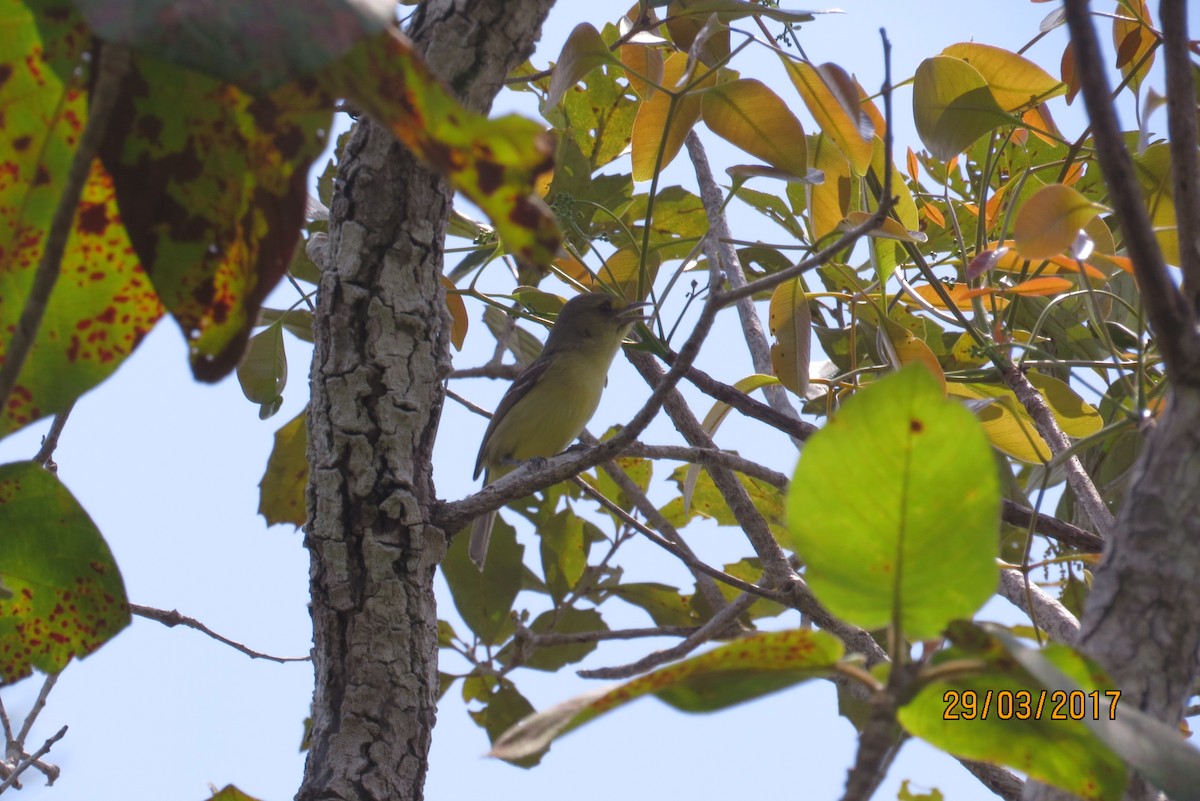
(1015, 82)
(65, 595)
(281, 492)
(731, 674)
(583, 52)
(484, 598)
(503, 707)
(913, 539)
(262, 372)
(666, 605)
(551, 658)
(752, 117)
(564, 548)
(1059, 752)
(953, 106)
(230, 793)
(1049, 221)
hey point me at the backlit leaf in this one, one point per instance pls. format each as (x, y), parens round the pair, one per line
(749, 115)
(664, 120)
(1015, 81)
(952, 106)
(281, 492)
(583, 52)
(1048, 222)
(831, 98)
(913, 538)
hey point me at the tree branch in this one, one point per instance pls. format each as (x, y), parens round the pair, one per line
(174, 618)
(1173, 321)
(1181, 126)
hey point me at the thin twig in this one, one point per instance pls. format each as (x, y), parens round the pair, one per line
(1169, 314)
(45, 454)
(793, 427)
(34, 759)
(174, 618)
(505, 371)
(36, 709)
(113, 64)
(717, 624)
(579, 637)
(708, 456)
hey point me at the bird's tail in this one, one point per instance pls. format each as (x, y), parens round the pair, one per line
(481, 534)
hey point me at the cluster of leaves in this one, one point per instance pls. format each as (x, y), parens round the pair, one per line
(188, 200)
(998, 255)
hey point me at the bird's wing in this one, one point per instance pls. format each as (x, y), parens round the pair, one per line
(522, 384)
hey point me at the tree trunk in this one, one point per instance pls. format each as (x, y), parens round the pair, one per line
(381, 355)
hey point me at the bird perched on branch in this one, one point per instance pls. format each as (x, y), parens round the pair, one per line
(549, 403)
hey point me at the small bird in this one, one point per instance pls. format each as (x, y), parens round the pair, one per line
(551, 401)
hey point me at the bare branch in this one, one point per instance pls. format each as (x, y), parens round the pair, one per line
(174, 618)
(1003, 783)
(793, 427)
(1173, 321)
(720, 250)
(45, 454)
(576, 638)
(1045, 612)
(1181, 126)
(1043, 419)
(707, 456)
(36, 709)
(717, 624)
(35, 759)
(1047, 526)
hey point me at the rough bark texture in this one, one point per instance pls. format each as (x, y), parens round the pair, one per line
(381, 354)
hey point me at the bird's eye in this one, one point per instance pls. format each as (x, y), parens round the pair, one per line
(606, 305)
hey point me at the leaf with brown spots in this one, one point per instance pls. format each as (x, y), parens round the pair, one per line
(494, 162)
(103, 303)
(211, 183)
(67, 597)
(740, 671)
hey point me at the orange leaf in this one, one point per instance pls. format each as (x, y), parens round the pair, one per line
(663, 121)
(1045, 285)
(960, 294)
(1050, 220)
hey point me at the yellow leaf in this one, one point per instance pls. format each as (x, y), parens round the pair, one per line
(625, 270)
(1005, 421)
(909, 350)
(833, 101)
(1046, 285)
(1015, 82)
(791, 325)
(643, 68)
(664, 120)
(749, 115)
(1134, 40)
(1050, 220)
(458, 313)
(960, 293)
(889, 229)
(1010, 261)
(828, 201)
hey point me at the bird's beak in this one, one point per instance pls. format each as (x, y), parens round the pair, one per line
(632, 313)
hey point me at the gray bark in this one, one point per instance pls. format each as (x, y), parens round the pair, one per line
(381, 355)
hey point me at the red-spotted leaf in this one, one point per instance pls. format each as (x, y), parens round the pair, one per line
(832, 98)
(496, 163)
(65, 595)
(281, 497)
(102, 304)
(749, 115)
(258, 46)
(953, 106)
(1050, 220)
(731, 674)
(212, 186)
